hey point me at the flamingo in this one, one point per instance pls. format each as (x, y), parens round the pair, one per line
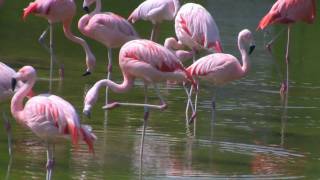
(59, 11)
(107, 28)
(196, 29)
(155, 11)
(48, 116)
(220, 68)
(288, 12)
(148, 61)
(6, 93)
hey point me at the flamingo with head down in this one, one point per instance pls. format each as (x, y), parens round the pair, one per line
(59, 11)
(196, 29)
(146, 60)
(288, 12)
(220, 68)
(107, 28)
(48, 116)
(155, 11)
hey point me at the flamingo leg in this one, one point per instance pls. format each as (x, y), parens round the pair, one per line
(50, 160)
(285, 84)
(189, 103)
(194, 54)
(52, 57)
(42, 39)
(154, 32)
(109, 71)
(9, 133)
(145, 123)
(162, 105)
(270, 43)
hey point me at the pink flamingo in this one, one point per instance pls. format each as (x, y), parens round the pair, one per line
(288, 12)
(48, 116)
(107, 28)
(148, 61)
(196, 29)
(6, 74)
(220, 68)
(155, 11)
(59, 11)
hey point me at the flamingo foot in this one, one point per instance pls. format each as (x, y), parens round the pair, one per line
(50, 164)
(163, 106)
(283, 88)
(111, 106)
(193, 117)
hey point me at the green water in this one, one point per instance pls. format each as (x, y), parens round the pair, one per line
(251, 134)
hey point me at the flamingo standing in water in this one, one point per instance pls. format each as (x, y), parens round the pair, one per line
(107, 28)
(155, 11)
(196, 29)
(59, 11)
(288, 12)
(48, 116)
(148, 61)
(220, 68)
(6, 74)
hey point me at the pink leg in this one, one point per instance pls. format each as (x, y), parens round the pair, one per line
(145, 124)
(162, 105)
(109, 71)
(285, 84)
(50, 161)
(9, 133)
(154, 32)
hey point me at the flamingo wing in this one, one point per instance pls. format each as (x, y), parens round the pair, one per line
(51, 114)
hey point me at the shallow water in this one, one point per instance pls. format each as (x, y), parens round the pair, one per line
(251, 135)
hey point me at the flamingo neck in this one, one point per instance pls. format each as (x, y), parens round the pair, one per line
(97, 9)
(176, 6)
(78, 40)
(125, 86)
(17, 100)
(245, 57)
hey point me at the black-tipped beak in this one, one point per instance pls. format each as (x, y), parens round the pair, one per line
(87, 114)
(87, 73)
(86, 9)
(13, 84)
(252, 47)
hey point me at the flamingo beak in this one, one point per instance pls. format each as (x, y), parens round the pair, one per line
(87, 73)
(87, 114)
(86, 9)
(252, 47)
(13, 83)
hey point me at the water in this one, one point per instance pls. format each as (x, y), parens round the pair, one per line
(251, 135)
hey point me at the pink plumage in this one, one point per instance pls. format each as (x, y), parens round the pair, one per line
(196, 28)
(107, 28)
(290, 11)
(155, 11)
(48, 116)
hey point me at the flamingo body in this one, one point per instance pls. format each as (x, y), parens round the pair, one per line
(107, 28)
(48, 116)
(290, 11)
(218, 68)
(53, 10)
(196, 28)
(155, 11)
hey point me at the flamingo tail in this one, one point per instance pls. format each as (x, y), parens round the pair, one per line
(28, 10)
(267, 20)
(88, 137)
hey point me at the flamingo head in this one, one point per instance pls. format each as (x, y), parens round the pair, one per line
(246, 38)
(24, 74)
(86, 4)
(91, 63)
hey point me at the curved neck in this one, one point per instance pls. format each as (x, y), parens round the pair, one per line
(176, 6)
(125, 86)
(245, 57)
(17, 99)
(97, 9)
(78, 40)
